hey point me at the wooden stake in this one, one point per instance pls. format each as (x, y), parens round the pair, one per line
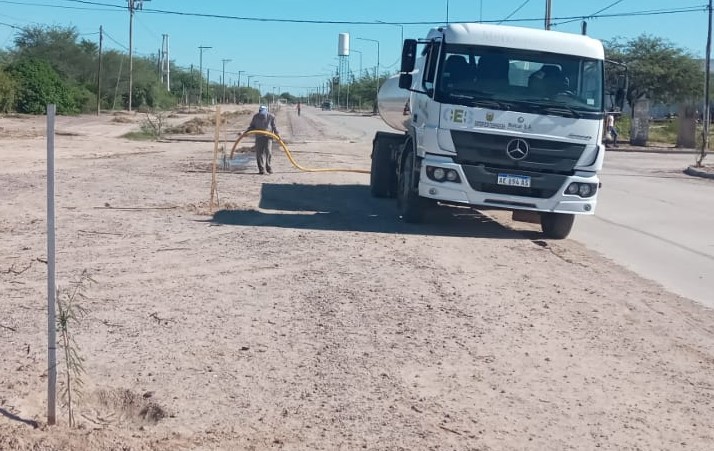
(214, 187)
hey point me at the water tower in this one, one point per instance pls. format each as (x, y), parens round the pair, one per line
(343, 70)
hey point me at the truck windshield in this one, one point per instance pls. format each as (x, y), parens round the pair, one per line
(519, 79)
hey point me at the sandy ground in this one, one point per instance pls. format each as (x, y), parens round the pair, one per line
(304, 314)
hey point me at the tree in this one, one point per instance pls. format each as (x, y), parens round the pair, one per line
(658, 70)
(7, 93)
(38, 84)
(363, 90)
(61, 48)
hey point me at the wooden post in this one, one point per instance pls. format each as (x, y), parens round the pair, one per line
(214, 187)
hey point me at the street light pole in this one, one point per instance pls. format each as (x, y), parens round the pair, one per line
(707, 74)
(247, 93)
(224, 78)
(200, 73)
(133, 5)
(239, 72)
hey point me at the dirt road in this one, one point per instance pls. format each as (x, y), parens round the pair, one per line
(304, 314)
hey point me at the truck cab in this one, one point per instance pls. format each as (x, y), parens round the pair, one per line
(496, 117)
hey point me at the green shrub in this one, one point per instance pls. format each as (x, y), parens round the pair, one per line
(38, 86)
(7, 92)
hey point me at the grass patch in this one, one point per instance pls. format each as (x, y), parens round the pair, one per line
(152, 128)
(139, 136)
(664, 132)
(660, 132)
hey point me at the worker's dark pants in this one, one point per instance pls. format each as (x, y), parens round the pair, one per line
(263, 153)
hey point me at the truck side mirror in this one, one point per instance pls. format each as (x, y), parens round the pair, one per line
(405, 81)
(408, 55)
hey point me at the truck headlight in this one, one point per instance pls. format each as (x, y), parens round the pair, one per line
(585, 190)
(442, 174)
(581, 189)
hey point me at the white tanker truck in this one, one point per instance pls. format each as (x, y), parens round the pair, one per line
(496, 117)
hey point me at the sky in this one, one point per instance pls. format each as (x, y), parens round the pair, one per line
(292, 45)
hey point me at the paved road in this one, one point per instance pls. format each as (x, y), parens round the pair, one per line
(651, 218)
(656, 221)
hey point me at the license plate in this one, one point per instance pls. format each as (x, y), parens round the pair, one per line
(523, 181)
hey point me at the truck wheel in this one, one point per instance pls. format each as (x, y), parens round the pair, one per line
(411, 206)
(382, 176)
(556, 225)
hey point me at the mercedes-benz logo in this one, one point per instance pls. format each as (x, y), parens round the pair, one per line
(517, 149)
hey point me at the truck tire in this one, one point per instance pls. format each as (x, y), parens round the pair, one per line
(411, 206)
(382, 177)
(556, 225)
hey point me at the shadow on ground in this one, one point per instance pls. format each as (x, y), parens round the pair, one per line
(351, 208)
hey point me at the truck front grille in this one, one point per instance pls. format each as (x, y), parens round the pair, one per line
(544, 156)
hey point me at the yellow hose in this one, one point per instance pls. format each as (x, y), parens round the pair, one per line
(289, 155)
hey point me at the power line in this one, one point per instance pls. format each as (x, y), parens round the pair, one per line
(44, 5)
(286, 76)
(607, 7)
(515, 11)
(145, 27)
(115, 41)
(374, 22)
(11, 26)
(593, 14)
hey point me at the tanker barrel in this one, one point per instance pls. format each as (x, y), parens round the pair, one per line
(392, 104)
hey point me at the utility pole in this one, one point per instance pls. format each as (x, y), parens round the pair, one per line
(547, 14)
(165, 61)
(224, 78)
(133, 5)
(201, 48)
(99, 72)
(168, 65)
(707, 100)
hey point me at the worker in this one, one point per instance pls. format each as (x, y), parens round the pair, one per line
(611, 129)
(263, 120)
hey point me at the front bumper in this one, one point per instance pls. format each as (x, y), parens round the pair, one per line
(547, 193)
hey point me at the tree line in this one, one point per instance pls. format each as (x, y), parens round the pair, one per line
(55, 65)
